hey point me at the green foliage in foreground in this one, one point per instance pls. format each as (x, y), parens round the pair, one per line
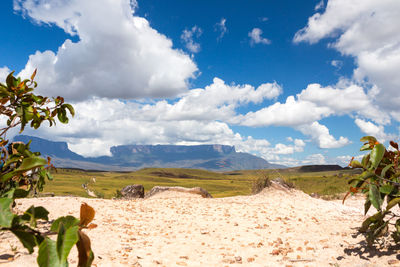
(23, 173)
(379, 181)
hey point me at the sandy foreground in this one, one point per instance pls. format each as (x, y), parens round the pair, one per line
(273, 228)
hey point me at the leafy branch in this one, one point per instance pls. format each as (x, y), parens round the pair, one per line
(23, 173)
(379, 181)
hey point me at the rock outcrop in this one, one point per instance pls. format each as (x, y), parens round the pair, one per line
(194, 190)
(132, 191)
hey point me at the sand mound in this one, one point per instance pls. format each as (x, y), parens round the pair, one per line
(175, 194)
(273, 228)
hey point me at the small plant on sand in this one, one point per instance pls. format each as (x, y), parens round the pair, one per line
(260, 183)
(23, 173)
(379, 181)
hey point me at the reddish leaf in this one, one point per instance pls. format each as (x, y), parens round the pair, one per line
(85, 252)
(394, 145)
(87, 214)
(33, 75)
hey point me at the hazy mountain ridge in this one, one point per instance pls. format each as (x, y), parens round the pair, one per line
(133, 157)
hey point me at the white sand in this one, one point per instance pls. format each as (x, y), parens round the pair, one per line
(273, 228)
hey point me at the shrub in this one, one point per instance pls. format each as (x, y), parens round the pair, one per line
(118, 194)
(379, 181)
(260, 183)
(23, 172)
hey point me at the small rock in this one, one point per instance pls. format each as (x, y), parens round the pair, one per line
(133, 191)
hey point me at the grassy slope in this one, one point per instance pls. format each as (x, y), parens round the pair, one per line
(69, 182)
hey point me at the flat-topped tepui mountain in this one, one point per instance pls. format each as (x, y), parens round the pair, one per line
(133, 157)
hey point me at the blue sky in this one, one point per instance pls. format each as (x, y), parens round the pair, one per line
(295, 82)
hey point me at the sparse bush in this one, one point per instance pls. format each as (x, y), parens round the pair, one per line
(23, 172)
(284, 182)
(99, 194)
(118, 194)
(379, 181)
(260, 183)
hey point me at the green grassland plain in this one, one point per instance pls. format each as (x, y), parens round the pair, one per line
(220, 184)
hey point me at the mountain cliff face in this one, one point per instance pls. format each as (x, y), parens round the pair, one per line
(49, 148)
(132, 157)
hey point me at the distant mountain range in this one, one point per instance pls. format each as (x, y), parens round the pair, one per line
(133, 157)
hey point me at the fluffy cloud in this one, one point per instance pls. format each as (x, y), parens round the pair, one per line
(314, 103)
(118, 57)
(321, 136)
(4, 71)
(93, 131)
(196, 117)
(345, 99)
(314, 159)
(221, 27)
(283, 149)
(337, 64)
(370, 128)
(320, 5)
(256, 38)
(217, 101)
(367, 30)
(292, 113)
(187, 38)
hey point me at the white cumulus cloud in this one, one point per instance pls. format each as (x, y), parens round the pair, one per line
(198, 116)
(188, 36)
(291, 113)
(4, 71)
(372, 129)
(256, 38)
(321, 136)
(118, 55)
(368, 31)
(221, 28)
(320, 5)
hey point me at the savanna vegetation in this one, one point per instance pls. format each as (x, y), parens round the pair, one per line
(329, 184)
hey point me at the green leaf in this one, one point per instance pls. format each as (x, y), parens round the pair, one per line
(7, 176)
(49, 176)
(356, 164)
(9, 193)
(384, 170)
(48, 256)
(21, 193)
(367, 205)
(386, 189)
(365, 161)
(365, 147)
(354, 180)
(10, 80)
(70, 108)
(62, 116)
(27, 239)
(375, 197)
(6, 216)
(67, 221)
(376, 155)
(374, 218)
(392, 203)
(368, 139)
(66, 239)
(34, 213)
(31, 163)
